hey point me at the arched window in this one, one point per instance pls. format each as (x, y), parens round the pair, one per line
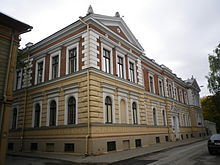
(134, 109)
(154, 116)
(164, 118)
(14, 118)
(37, 115)
(71, 110)
(53, 108)
(108, 108)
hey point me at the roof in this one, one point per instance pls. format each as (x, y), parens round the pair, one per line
(15, 24)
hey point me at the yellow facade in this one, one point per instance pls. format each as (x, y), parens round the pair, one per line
(111, 112)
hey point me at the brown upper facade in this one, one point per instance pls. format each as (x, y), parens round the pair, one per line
(106, 44)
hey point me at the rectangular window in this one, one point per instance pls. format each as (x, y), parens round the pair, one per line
(120, 67)
(69, 147)
(151, 82)
(106, 61)
(40, 72)
(111, 146)
(166, 138)
(131, 71)
(10, 146)
(34, 146)
(49, 147)
(161, 87)
(137, 142)
(14, 118)
(55, 66)
(157, 139)
(18, 79)
(72, 60)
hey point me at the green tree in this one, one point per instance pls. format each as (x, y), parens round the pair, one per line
(211, 109)
(214, 74)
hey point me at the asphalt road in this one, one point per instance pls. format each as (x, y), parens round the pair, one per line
(193, 154)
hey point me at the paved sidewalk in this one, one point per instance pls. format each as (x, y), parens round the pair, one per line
(113, 156)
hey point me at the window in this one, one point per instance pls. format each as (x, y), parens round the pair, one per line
(37, 115)
(55, 66)
(39, 75)
(151, 80)
(69, 147)
(137, 142)
(106, 61)
(134, 110)
(157, 139)
(131, 71)
(154, 117)
(166, 138)
(14, 118)
(160, 87)
(181, 96)
(34, 146)
(72, 60)
(71, 110)
(164, 118)
(111, 146)
(120, 67)
(108, 108)
(170, 90)
(49, 147)
(18, 79)
(184, 120)
(53, 108)
(10, 146)
(178, 116)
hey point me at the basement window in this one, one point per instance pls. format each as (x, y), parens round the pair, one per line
(138, 142)
(49, 147)
(111, 146)
(157, 139)
(69, 147)
(34, 146)
(10, 146)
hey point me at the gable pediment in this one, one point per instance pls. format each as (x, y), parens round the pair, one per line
(118, 26)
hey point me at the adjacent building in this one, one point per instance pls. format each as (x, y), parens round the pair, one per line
(89, 89)
(10, 29)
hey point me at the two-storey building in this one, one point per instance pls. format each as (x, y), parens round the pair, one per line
(90, 89)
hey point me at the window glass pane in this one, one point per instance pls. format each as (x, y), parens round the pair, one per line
(40, 72)
(71, 110)
(37, 115)
(14, 118)
(72, 60)
(106, 61)
(55, 65)
(108, 108)
(52, 113)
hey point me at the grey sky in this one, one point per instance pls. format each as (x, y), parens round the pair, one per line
(177, 33)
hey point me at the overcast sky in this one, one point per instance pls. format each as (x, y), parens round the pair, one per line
(177, 33)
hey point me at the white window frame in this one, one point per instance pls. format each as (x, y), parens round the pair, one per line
(151, 75)
(152, 108)
(163, 109)
(33, 113)
(76, 45)
(104, 46)
(51, 57)
(75, 95)
(15, 77)
(138, 113)
(113, 107)
(160, 80)
(48, 110)
(36, 70)
(124, 70)
(17, 107)
(135, 71)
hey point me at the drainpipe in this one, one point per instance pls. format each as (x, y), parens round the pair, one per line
(88, 86)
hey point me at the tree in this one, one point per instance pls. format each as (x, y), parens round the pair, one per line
(214, 74)
(211, 109)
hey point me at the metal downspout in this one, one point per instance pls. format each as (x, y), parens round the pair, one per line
(88, 86)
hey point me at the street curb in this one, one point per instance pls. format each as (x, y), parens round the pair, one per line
(160, 150)
(67, 160)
